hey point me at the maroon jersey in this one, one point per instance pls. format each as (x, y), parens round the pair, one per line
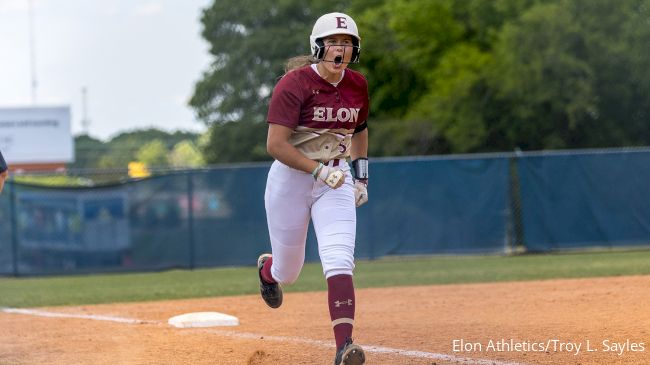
(323, 116)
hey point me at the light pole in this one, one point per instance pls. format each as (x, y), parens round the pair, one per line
(32, 50)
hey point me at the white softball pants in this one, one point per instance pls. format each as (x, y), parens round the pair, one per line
(291, 198)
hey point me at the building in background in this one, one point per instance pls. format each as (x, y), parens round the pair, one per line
(36, 138)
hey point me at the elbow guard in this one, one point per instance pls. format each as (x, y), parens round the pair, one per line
(360, 127)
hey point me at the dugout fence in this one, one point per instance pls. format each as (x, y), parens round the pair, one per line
(457, 204)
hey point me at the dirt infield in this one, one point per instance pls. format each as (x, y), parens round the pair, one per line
(534, 322)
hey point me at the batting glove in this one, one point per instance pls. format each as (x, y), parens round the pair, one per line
(332, 176)
(360, 192)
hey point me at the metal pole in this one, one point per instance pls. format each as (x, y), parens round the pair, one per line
(190, 218)
(14, 228)
(85, 122)
(32, 50)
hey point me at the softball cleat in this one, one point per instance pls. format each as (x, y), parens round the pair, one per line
(271, 293)
(350, 354)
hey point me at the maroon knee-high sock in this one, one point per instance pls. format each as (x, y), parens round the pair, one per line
(266, 271)
(340, 296)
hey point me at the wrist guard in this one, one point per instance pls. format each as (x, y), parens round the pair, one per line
(360, 166)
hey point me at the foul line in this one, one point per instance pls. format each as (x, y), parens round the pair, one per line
(256, 336)
(39, 313)
(366, 348)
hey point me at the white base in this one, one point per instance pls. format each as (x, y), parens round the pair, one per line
(203, 319)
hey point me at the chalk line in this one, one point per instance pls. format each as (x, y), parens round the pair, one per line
(94, 317)
(256, 336)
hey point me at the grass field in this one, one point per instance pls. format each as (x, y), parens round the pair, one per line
(176, 284)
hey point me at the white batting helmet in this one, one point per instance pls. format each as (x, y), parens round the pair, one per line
(334, 23)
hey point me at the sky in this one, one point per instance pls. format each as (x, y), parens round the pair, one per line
(137, 59)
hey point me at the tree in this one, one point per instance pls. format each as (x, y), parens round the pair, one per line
(108, 162)
(548, 86)
(431, 58)
(153, 154)
(236, 142)
(496, 75)
(186, 154)
(122, 148)
(87, 151)
(570, 86)
(393, 82)
(446, 76)
(616, 38)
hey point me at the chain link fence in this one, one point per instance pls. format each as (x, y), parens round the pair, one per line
(78, 221)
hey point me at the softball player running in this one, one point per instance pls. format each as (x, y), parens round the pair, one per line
(3, 172)
(317, 119)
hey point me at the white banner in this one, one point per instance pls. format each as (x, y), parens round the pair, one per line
(36, 135)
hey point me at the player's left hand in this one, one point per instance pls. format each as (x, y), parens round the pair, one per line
(360, 192)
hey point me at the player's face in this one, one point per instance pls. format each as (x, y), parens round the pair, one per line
(338, 51)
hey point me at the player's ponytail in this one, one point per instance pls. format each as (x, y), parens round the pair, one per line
(297, 62)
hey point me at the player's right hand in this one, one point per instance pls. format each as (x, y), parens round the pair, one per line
(332, 176)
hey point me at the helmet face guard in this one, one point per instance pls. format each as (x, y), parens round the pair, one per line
(320, 50)
(330, 24)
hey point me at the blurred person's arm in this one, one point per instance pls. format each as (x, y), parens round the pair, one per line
(3, 172)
